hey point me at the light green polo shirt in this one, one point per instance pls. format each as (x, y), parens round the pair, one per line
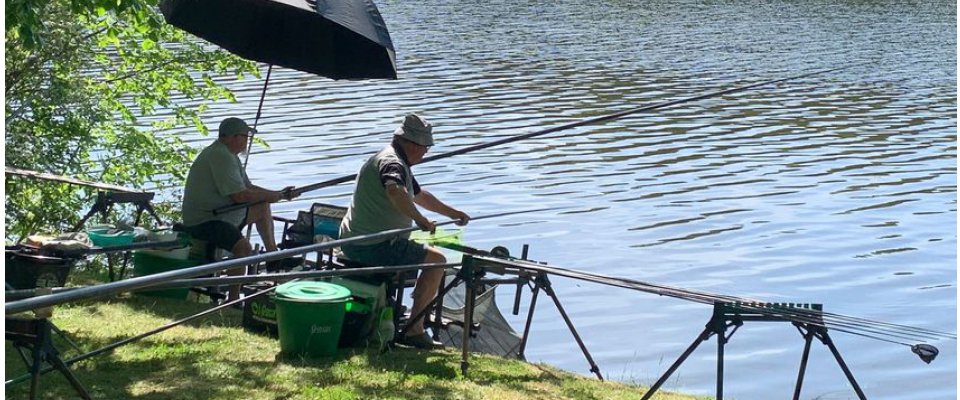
(371, 210)
(214, 176)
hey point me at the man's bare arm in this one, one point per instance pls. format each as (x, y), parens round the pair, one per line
(401, 200)
(427, 200)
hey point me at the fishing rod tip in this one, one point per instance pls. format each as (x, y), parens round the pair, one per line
(926, 352)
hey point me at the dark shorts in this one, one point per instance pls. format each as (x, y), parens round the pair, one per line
(396, 251)
(222, 234)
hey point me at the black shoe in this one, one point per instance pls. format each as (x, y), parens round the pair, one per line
(422, 341)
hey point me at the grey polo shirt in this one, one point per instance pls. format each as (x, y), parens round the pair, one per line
(370, 210)
(214, 176)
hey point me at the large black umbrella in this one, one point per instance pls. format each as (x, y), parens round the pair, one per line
(338, 39)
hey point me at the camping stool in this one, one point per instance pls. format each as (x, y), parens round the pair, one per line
(396, 283)
(291, 238)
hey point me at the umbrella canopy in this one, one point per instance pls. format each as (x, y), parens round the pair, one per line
(338, 39)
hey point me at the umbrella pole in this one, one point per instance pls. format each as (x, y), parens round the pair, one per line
(263, 95)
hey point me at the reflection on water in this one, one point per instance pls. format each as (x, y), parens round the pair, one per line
(838, 189)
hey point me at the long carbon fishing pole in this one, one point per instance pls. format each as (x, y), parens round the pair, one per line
(127, 285)
(18, 294)
(927, 353)
(588, 121)
(135, 338)
(798, 314)
(290, 276)
(66, 179)
(231, 280)
(858, 326)
(809, 315)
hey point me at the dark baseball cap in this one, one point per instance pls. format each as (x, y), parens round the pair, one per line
(234, 126)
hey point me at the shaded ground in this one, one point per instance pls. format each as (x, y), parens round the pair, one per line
(214, 358)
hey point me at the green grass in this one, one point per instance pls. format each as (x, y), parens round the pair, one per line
(214, 358)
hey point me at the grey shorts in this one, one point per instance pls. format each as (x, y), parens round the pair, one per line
(396, 251)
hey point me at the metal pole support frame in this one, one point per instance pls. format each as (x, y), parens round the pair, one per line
(106, 200)
(727, 315)
(473, 271)
(37, 336)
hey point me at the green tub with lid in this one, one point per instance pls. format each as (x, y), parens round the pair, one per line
(310, 317)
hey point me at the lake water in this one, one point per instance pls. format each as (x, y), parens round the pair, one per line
(837, 189)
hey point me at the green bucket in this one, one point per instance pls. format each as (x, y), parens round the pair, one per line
(310, 317)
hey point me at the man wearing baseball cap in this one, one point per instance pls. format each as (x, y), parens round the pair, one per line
(217, 179)
(386, 197)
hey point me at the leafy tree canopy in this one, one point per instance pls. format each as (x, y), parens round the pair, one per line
(84, 81)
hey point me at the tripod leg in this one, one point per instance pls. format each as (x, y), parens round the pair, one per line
(59, 365)
(398, 305)
(721, 341)
(438, 315)
(111, 273)
(21, 352)
(549, 290)
(469, 300)
(54, 329)
(150, 210)
(123, 265)
(37, 353)
(825, 338)
(138, 214)
(526, 328)
(808, 338)
(97, 207)
(704, 336)
(50, 353)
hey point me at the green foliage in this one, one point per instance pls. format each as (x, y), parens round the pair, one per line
(84, 82)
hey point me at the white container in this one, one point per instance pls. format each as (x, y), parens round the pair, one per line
(162, 236)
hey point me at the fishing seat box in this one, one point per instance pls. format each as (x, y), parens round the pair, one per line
(365, 304)
(27, 271)
(149, 262)
(260, 314)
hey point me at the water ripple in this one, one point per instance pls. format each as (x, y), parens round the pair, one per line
(838, 188)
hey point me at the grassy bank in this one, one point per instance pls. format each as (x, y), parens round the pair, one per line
(213, 358)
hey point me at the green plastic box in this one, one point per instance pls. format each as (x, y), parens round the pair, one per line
(148, 263)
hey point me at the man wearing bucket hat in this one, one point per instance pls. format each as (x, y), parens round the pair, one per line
(217, 179)
(386, 197)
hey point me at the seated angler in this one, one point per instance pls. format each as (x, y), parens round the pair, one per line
(386, 197)
(217, 179)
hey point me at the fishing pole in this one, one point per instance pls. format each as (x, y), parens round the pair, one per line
(127, 285)
(589, 121)
(887, 332)
(795, 314)
(230, 280)
(18, 294)
(66, 179)
(839, 319)
(807, 316)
